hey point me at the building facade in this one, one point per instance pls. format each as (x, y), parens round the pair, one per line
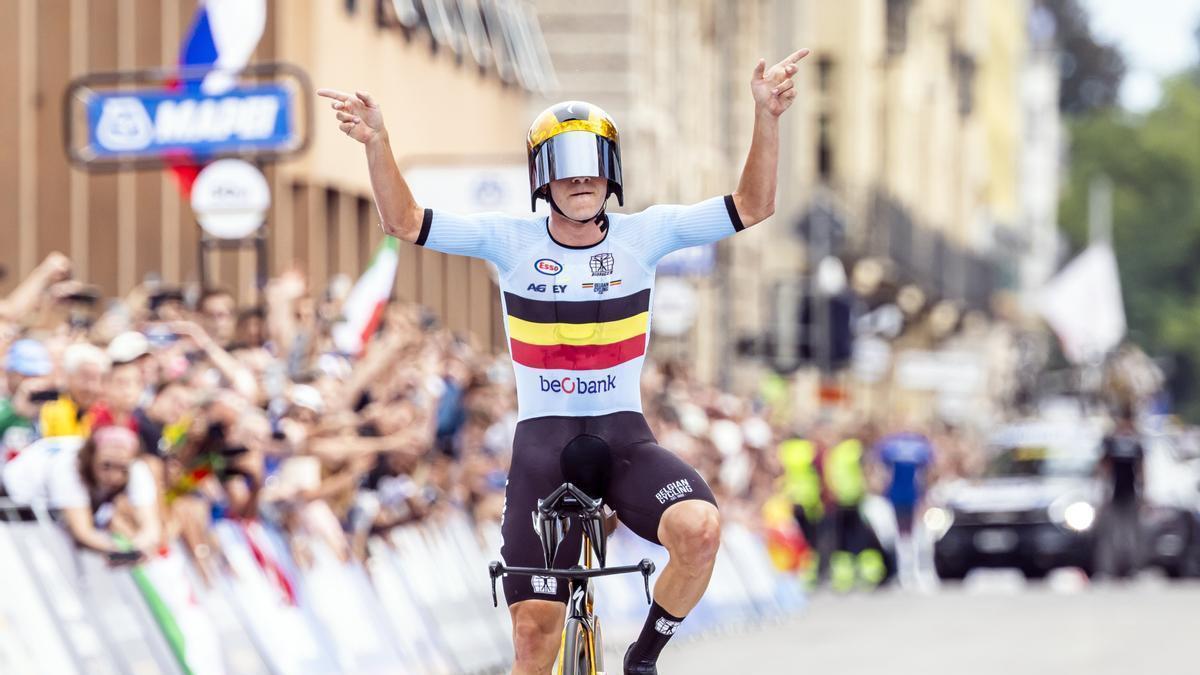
(454, 78)
(910, 142)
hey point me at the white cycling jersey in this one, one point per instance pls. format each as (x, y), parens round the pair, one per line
(578, 318)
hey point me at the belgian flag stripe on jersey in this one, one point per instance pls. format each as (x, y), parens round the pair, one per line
(578, 357)
(578, 333)
(583, 311)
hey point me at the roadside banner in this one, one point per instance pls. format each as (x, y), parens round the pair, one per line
(420, 604)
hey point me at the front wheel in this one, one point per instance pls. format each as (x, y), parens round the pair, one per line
(576, 656)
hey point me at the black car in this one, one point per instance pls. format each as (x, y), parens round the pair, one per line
(1034, 509)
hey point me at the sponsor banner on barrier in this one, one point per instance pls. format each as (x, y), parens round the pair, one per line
(422, 604)
(287, 638)
(30, 640)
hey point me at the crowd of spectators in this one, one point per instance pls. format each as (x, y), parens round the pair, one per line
(145, 418)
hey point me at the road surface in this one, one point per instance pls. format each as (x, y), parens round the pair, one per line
(1000, 626)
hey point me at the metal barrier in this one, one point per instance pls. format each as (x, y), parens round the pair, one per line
(422, 604)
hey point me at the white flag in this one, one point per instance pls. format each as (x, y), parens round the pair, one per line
(1083, 305)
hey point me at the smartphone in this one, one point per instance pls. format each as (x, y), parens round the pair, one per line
(44, 395)
(123, 557)
(84, 296)
(160, 336)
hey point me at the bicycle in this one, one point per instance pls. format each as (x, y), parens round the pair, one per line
(581, 651)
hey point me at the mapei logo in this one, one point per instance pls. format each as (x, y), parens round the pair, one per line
(125, 124)
(672, 491)
(547, 266)
(579, 385)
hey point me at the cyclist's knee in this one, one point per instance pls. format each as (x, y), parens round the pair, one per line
(691, 531)
(537, 627)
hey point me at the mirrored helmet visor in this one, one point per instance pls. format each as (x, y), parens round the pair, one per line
(573, 154)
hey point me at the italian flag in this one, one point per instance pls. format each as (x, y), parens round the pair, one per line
(364, 305)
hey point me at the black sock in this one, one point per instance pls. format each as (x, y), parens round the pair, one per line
(659, 628)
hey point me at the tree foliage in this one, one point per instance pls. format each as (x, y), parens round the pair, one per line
(1154, 163)
(1091, 70)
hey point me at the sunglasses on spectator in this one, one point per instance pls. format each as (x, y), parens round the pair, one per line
(113, 466)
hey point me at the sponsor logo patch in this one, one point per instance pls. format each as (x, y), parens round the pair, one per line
(544, 585)
(541, 288)
(666, 626)
(601, 264)
(601, 287)
(579, 385)
(672, 491)
(548, 266)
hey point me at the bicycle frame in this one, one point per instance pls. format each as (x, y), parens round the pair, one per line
(549, 521)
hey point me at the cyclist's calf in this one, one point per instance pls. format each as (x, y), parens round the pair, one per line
(537, 630)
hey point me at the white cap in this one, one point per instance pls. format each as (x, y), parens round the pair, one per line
(127, 347)
(307, 396)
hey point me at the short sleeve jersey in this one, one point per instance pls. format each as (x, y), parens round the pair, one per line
(578, 318)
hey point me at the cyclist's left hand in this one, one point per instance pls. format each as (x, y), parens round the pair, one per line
(773, 88)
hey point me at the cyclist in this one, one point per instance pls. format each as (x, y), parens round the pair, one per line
(576, 289)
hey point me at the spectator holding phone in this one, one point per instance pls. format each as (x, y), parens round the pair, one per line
(103, 490)
(26, 366)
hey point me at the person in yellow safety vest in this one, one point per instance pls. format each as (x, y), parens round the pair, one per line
(802, 486)
(856, 558)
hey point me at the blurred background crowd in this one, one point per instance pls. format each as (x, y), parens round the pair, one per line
(152, 415)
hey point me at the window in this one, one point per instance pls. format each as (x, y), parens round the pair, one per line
(407, 13)
(824, 148)
(897, 25)
(476, 32)
(498, 36)
(440, 25)
(824, 74)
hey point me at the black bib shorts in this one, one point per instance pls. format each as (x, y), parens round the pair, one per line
(646, 479)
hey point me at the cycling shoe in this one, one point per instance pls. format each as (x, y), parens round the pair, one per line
(639, 668)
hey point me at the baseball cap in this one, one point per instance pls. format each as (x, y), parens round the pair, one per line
(29, 358)
(128, 346)
(307, 396)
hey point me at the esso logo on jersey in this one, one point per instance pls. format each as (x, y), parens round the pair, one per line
(547, 266)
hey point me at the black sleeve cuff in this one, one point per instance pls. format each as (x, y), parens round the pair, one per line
(729, 206)
(426, 222)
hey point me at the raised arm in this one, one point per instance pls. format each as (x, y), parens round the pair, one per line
(774, 91)
(361, 119)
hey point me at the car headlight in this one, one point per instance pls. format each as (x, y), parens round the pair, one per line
(1075, 515)
(938, 520)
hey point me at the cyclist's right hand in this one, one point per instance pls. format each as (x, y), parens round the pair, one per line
(359, 115)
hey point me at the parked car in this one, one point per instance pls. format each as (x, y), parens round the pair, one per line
(1034, 509)
(1171, 514)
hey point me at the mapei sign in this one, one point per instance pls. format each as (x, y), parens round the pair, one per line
(152, 123)
(156, 117)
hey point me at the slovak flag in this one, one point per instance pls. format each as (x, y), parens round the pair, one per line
(224, 34)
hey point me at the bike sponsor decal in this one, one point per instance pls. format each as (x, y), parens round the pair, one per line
(547, 266)
(672, 491)
(544, 585)
(601, 264)
(579, 385)
(666, 626)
